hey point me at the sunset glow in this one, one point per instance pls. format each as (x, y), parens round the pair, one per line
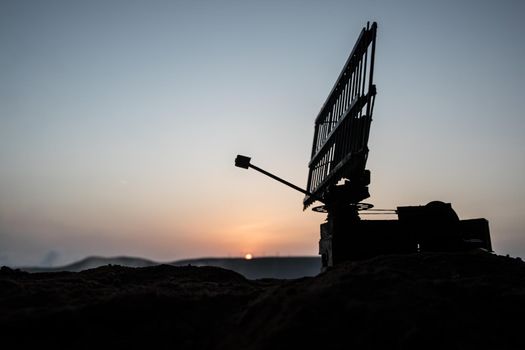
(119, 123)
(248, 256)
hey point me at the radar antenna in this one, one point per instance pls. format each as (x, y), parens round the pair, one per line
(338, 178)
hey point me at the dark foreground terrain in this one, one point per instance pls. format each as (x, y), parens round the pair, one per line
(424, 301)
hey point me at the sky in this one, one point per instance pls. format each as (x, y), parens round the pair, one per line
(120, 121)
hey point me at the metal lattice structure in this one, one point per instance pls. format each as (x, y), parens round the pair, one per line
(340, 146)
(339, 152)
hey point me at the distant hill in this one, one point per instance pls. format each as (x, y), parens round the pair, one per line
(265, 267)
(93, 262)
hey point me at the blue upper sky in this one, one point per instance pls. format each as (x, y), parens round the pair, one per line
(120, 120)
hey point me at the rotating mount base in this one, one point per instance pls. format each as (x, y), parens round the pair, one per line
(357, 206)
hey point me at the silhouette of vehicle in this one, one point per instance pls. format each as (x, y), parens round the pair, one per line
(338, 178)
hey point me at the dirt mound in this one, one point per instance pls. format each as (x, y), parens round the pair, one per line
(431, 301)
(436, 301)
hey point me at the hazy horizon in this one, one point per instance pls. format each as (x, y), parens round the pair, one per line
(120, 121)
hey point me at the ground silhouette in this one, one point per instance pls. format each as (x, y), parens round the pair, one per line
(431, 301)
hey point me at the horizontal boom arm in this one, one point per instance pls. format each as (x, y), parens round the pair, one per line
(244, 162)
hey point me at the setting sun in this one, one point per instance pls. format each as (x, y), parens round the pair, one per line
(248, 256)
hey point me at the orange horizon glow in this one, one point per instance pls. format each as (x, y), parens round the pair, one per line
(113, 147)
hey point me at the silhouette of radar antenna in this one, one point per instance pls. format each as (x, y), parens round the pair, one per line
(338, 179)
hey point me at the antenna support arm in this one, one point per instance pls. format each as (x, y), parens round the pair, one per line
(244, 162)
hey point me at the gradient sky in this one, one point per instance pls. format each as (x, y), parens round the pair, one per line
(120, 121)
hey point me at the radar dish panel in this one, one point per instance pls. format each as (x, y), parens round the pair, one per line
(342, 127)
